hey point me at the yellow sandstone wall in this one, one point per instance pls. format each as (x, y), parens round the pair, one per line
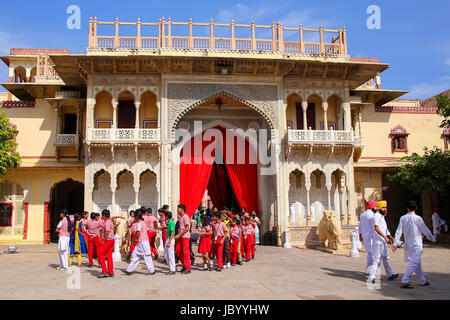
(376, 126)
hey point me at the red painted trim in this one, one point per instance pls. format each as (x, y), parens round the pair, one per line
(403, 109)
(25, 227)
(46, 223)
(10, 218)
(35, 52)
(381, 158)
(52, 167)
(365, 60)
(38, 157)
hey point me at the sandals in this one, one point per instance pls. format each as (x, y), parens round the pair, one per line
(406, 286)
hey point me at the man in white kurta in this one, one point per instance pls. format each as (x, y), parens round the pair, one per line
(412, 228)
(365, 231)
(438, 222)
(381, 237)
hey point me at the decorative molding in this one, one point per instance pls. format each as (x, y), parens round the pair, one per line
(183, 97)
(18, 104)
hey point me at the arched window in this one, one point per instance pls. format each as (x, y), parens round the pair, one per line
(399, 137)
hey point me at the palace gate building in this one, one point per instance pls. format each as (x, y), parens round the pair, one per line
(97, 130)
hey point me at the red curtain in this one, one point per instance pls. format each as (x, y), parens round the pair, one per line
(243, 177)
(194, 178)
(195, 172)
(217, 187)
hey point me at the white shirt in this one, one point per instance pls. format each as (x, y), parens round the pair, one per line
(378, 220)
(366, 224)
(437, 223)
(412, 227)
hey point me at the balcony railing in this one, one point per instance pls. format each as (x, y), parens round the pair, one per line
(123, 135)
(66, 140)
(321, 137)
(161, 35)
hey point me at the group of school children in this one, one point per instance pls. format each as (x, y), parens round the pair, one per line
(224, 238)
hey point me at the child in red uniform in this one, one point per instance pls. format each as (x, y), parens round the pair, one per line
(132, 224)
(234, 238)
(106, 250)
(93, 230)
(248, 237)
(204, 248)
(219, 233)
(253, 224)
(212, 224)
(184, 238)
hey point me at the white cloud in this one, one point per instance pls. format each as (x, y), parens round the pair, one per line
(428, 90)
(447, 62)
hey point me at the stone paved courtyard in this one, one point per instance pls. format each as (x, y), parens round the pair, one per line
(276, 273)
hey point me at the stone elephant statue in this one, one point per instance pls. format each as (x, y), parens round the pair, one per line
(330, 229)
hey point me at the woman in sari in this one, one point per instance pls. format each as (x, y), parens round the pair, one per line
(78, 244)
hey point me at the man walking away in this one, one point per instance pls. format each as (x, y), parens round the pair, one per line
(412, 228)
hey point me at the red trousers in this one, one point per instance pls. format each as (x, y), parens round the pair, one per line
(151, 239)
(164, 236)
(242, 247)
(185, 253)
(94, 246)
(234, 250)
(248, 247)
(105, 252)
(134, 242)
(253, 245)
(218, 251)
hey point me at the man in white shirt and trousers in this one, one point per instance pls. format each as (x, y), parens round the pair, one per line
(438, 222)
(381, 237)
(412, 228)
(365, 231)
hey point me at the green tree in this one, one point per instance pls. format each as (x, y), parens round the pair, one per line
(443, 109)
(429, 173)
(9, 158)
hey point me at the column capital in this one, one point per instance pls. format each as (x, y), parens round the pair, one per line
(137, 104)
(325, 105)
(305, 105)
(115, 104)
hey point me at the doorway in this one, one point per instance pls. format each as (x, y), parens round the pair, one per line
(67, 195)
(126, 114)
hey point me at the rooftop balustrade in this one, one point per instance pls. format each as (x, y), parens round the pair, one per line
(273, 38)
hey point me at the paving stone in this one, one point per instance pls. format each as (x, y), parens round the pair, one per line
(276, 274)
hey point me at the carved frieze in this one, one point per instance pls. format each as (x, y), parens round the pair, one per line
(183, 97)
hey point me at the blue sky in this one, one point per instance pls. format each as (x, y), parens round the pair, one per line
(414, 36)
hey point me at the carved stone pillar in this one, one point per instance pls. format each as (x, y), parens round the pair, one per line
(360, 122)
(138, 114)
(347, 116)
(115, 104)
(308, 207)
(329, 196)
(90, 121)
(342, 205)
(325, 116)
(305, 109)
(113, 196)
(136, 192)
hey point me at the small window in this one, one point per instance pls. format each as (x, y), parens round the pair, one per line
(399, 137)
(6, 214)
